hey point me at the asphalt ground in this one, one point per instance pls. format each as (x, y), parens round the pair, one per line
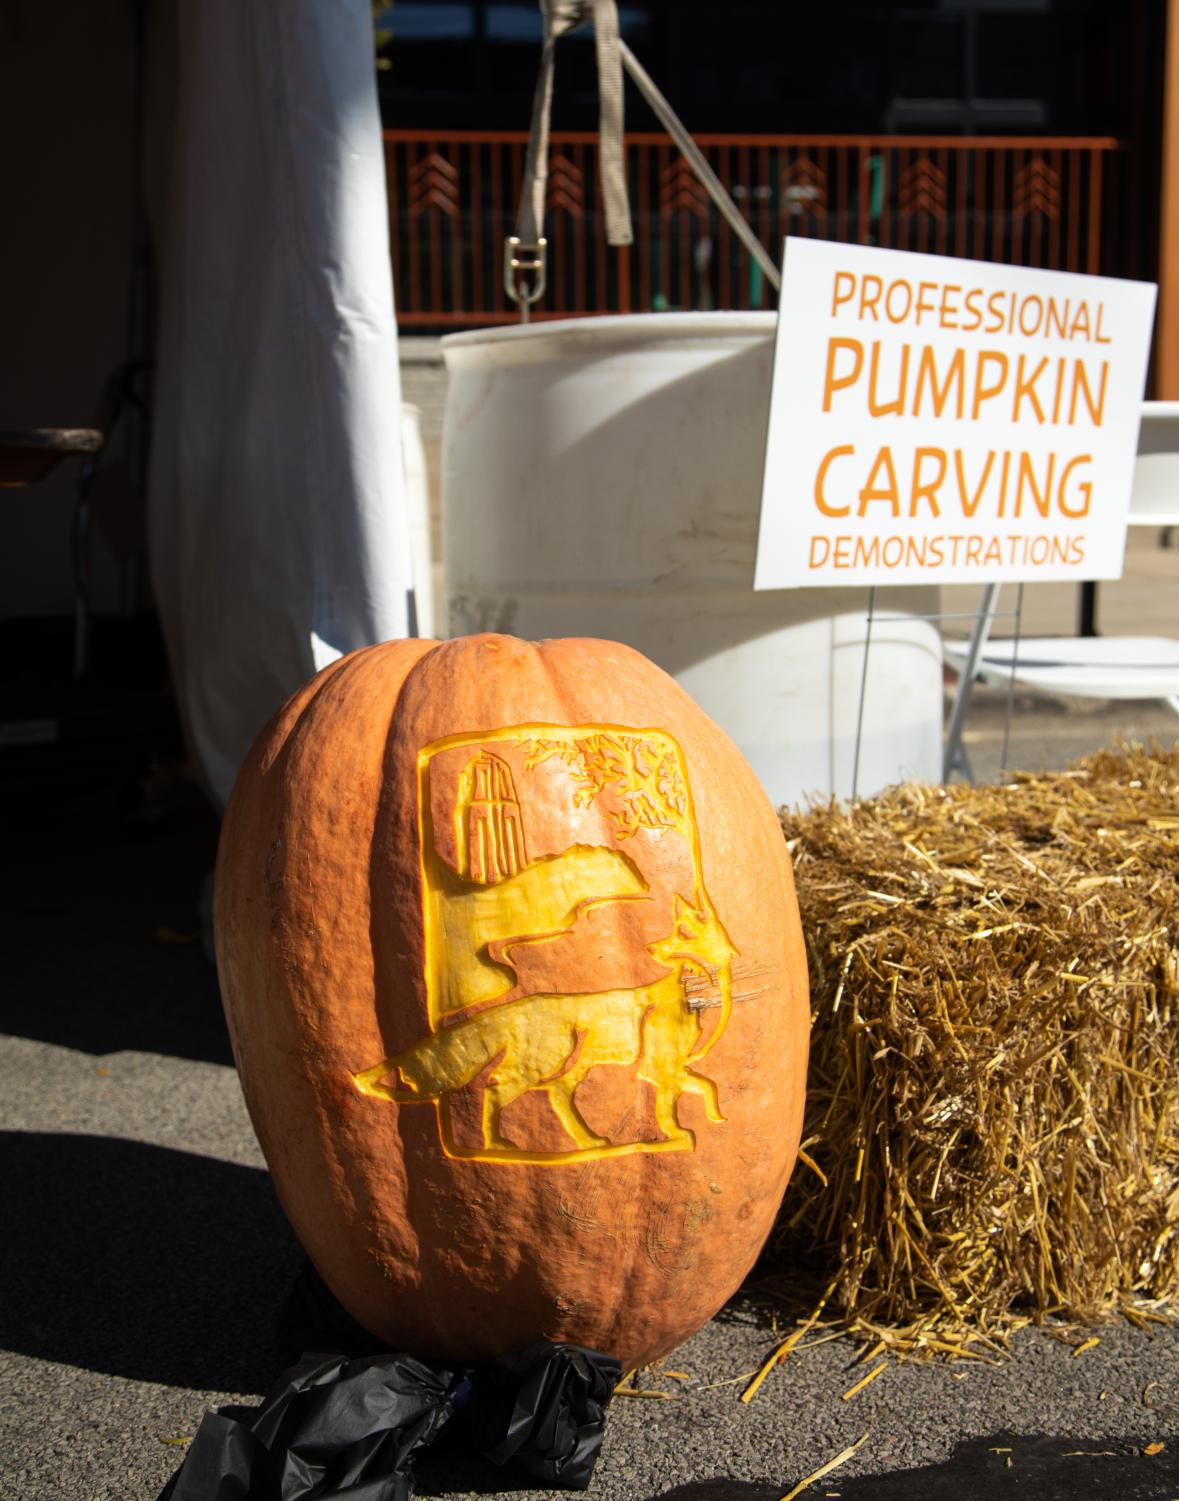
(144, 1258)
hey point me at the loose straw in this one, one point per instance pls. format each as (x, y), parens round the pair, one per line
(832, 1464)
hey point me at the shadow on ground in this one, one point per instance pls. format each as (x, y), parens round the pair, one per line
(142, 1262)
(721, 1489)
(1048, 1469)
(100, 927)
(1040, 1469)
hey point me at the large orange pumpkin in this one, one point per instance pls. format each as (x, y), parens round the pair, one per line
(511, 959)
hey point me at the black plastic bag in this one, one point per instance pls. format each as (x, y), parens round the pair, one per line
(544, 1407)
(331, 1427)
(340, 1427)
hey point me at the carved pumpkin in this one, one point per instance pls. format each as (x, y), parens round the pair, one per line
(511, 960)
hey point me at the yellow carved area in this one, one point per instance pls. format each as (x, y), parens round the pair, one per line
(463, 919)
(486, 1034)
(487, 821)
(644, 772)
(551, 1042)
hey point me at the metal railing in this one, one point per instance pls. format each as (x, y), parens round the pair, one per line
(1034, 201)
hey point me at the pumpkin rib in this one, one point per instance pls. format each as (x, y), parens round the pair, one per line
(275, 735)
(376, 873)
(364, 1199)
(555, 657)
(364, 1195)
(297, 768)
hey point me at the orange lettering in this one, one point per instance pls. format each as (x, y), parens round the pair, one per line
(1098, 336)
(1084, 488)
(1028, 387)
(895, 407)
(908, 291)
(833, 382)
(1041, 499)
(927, 368)
(926, 489)
(983, 392)
(1081, 383)
(888, 491)
(970, 504)
(842, 278)
(821, 477)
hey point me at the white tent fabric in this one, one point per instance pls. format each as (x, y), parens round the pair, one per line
(277, 507)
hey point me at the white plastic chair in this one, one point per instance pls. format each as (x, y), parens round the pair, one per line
(1119, 667)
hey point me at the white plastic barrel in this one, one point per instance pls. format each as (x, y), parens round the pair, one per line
(602, 477)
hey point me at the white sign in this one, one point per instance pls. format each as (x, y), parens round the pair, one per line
(949, 421)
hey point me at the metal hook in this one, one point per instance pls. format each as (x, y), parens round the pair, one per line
(520, 262)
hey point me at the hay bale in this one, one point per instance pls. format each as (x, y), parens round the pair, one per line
(993, 1096)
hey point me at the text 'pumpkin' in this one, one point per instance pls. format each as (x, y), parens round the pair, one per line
(511, 959)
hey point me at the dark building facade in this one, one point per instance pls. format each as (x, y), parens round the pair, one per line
(966, 67)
